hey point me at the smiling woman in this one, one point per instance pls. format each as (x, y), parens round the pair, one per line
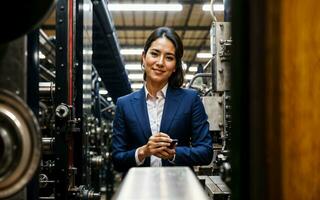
(162, 53)
(148, 120)
(160, 63)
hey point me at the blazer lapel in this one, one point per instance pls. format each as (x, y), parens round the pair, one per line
(171, 105)
(140, 109)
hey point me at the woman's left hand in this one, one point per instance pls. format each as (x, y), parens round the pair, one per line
(165, 152)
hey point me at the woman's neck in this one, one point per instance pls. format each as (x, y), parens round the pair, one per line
(154, 88)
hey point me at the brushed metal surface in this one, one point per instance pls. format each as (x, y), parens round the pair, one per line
(154, 183)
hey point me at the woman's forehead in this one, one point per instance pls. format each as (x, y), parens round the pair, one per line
(163, 43)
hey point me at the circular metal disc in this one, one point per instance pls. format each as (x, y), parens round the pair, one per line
(21, 144)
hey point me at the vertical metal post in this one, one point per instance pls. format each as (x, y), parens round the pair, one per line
(33, 96)
(79, 90)
(61, 147)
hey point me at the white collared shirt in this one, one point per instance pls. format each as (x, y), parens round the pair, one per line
(155, 107)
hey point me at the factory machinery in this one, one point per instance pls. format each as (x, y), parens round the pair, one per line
(213, 83)
(55, 126)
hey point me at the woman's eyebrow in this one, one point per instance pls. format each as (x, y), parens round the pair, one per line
(158, 51)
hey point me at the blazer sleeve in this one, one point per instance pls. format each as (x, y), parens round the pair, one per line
(122, 158)
(200, 152)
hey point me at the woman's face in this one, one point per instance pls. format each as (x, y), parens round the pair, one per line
(159, 61)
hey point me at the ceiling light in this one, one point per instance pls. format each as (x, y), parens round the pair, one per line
(131, 51)
(136, 85)
(135, 77)
(144, 7)
(204, 55)
(216, 7)
(133, 67)
(188, 76)
(193, 69)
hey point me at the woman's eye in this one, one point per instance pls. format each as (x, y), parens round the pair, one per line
(153, 54)
(170, 58)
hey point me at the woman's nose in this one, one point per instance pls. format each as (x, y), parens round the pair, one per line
(160, 61)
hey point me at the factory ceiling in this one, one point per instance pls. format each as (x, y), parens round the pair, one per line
(132, 28)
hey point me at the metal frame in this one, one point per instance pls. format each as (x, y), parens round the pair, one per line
(61, 98)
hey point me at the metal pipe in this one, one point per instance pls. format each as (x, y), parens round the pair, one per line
(46, 89)
(44, 72)
(198, 75)
(47, 145)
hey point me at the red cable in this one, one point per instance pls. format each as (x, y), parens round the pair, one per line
(70, 58)
(70, 49)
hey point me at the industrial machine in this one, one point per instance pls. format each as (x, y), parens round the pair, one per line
(213, 84)
(55, 126)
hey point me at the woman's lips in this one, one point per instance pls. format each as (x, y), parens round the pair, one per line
(157, 71)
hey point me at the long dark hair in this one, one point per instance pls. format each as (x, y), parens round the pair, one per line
(176, 78)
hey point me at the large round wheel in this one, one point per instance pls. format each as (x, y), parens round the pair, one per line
(20, 144)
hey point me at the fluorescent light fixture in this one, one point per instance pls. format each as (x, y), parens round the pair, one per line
(193, 69)
(204, 55)
(133, 67)
(135, 77)
(143, 7)
(216, 7)
(131, 51)
(188, 76)
(109, 99)
(136, 85)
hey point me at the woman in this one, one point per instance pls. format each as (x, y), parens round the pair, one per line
(147, 121)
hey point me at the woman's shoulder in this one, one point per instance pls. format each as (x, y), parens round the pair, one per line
(188, 91)
(129, 96)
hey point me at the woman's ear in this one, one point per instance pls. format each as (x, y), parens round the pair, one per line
(143, 56)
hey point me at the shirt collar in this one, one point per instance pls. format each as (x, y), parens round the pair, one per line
(162, 92)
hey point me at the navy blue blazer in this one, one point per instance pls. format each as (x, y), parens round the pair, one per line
(183, 118)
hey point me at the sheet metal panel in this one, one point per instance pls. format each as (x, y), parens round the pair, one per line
(163, 183)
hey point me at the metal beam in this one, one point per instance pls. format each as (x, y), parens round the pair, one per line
(144, 38)
(148, 28)
(193, 1)
(145, 28)
(190, 48)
